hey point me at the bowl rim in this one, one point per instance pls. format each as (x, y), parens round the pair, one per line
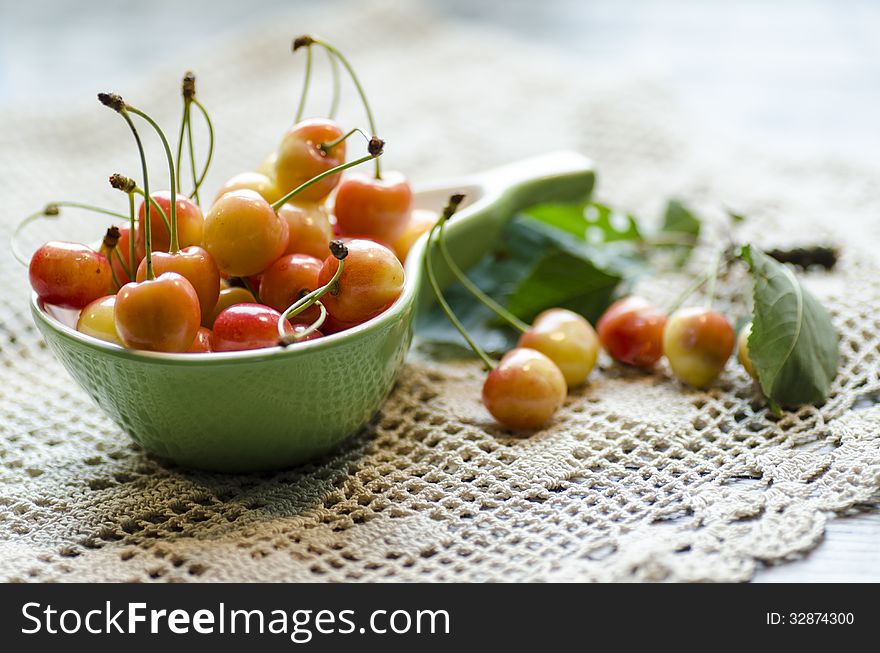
(412, 279)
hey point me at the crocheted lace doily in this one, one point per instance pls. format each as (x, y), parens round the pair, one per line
(637, 479)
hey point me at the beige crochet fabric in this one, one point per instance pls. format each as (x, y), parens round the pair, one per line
(637, 479)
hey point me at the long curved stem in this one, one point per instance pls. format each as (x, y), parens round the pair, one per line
(132, 251)
(148, 236)
(13, 240)
(183, 123)
(305, 90)
(192, 160)
(175, 245)
(314, 326)
(311, 298)
(314, 180)
(334, 72)
(435, 286)
(462, 278)
(713, 279)
(329, 145)
(210, 156)
(357, 84)
(88, 207)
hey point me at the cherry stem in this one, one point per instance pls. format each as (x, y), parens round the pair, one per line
(115, 102)
(250, 288)
(175, 245)
(152, 202)
(340, 251)
(357, 84)
(50, 211)
(334, 72)
(697, 283)
(183, 122)
(192, 161)
(87, 207)
(462, 278)
(329, 145)
(713, 279)
(285, 338)
(435, 286)
(210, 155)
(374, 154)
(132, 252)
(305, 89)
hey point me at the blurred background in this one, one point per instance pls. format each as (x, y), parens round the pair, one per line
(801, 76)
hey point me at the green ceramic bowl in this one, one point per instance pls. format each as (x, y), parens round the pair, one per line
(273, 408)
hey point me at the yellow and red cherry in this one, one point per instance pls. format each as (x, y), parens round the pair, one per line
(203, 343)
(288, 279)
(631, 331)
(249, 326)
(69, 275)
(742, 351)
(420, 222)
(254, 181)
(229, 296)
(196, 266)
(190, 222)
(567, 339)
(244, 234)
(121, 268)
(697, 342)
(309, 228)
(371, 280)
(301, 157)
(97, 320)
(524, 390)
(376, 208)
(160, 314)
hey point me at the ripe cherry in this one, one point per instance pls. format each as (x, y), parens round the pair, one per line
(288, 279)
(190, 222)
(254, 181)
(160, 314)
(309, 228)
(97, 320)
(196, 266)
(697, 342)
(244, 234)
(121, 268)
(371, 280)
(631, 331)
(300, 157)
(251, 326)
(420, 222)
(742, 351)
(203, 342)
(524, 390)
(376, 208)
(229, 297)
(69, 274)
(567, 339)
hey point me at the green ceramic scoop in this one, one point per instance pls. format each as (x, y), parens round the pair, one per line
(273, 408)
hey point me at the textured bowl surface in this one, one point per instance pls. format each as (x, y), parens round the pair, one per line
(273, 408)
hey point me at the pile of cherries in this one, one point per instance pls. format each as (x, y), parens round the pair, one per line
(560, 348)
(284, 254)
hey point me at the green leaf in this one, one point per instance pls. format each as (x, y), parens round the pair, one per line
(680, 231)
(678, 219)
(562, 279)
(793, 344)
(592, 222)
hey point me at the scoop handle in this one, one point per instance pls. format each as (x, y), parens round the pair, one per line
(504, 191)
